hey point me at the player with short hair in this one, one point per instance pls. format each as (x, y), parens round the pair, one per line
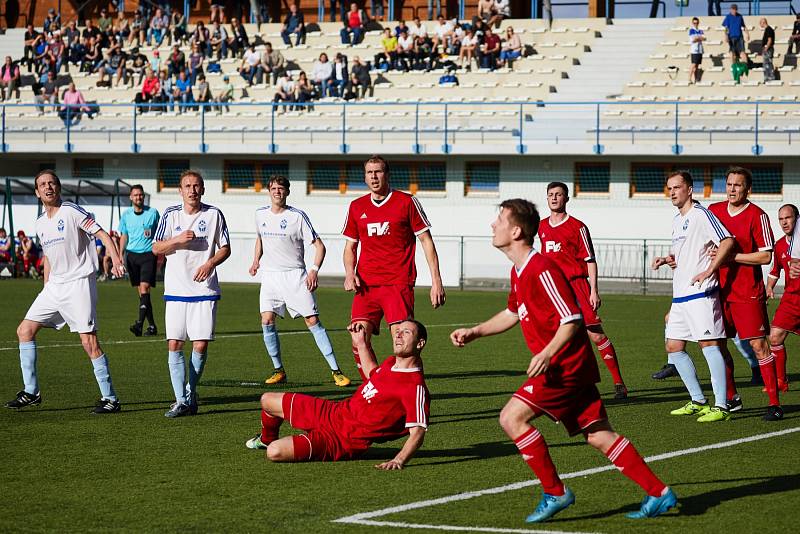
(741, 283)
(386, 223)
(393, 402)
(137, 227)
(567, 241)
(562, 372)
(194, 237)
(283, 231)
(66, 233)
(787, 317)
(700, 245)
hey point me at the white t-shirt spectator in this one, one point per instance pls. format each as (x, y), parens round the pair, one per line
(420, 30)
(405, 43)
(443, 29)
(286, 85)
(469, 41)
(503, 7)
(252, 58)
(322, 71)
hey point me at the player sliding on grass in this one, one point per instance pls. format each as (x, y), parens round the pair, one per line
(392, 403)
(566, 241)
(285, 284)
(69, 295)
(562, 373)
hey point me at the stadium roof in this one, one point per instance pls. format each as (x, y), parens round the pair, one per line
(69, 188)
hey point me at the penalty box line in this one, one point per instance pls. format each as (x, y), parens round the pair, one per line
(366, 518)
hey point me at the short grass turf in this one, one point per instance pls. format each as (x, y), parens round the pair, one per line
(65, 470)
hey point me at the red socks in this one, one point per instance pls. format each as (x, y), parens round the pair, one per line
(534, 451)
(729, 379)
(610, 359)
(627, 459)
(270, 426)
(768, 373)
(779, 353)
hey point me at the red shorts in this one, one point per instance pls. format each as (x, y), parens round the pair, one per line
(582, 291)
(319, 418)
(576, 408)
(748, 319)
(371, 304)
(787, 316)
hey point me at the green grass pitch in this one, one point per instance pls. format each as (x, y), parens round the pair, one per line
(65, 470)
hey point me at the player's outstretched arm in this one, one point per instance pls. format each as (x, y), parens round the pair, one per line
(111, 249)
(351, 280)
(205, 270)
(432, 257)
(498, 324)
(416, 435)
(256, 257)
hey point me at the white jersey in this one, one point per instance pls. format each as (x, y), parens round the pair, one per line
(283, 238)
(67, 239)
(693, 236)
(211, 233)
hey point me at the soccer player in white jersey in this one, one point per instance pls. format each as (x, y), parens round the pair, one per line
(194, 237)
(696, 313)
(66, 233)
(283, 232)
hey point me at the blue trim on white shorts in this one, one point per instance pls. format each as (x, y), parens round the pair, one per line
(704, 294)
(202, 298)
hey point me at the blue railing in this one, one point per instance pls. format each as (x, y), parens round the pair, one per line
(430, 127)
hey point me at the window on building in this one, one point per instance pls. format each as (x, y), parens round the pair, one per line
(709, 178)
(482, 177)
(88, 169)
(592, 177)
(169, 172)
(243, 175)
(648, 178)
(348, 176)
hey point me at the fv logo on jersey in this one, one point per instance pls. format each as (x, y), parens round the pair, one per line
(552, 246)
(61, 225)
(378, 228)
(369, 391)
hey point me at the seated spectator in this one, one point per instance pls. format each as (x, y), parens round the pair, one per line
(340, 75)
(167, 95)
(28, 254)
(418, 29)
(139, 65)
(176, 62)
(151, 89)
(177, 23)
(424, 53)
(511, 49)
(284, 90)
(237, 38)
(91, 31)
(71, 34)
(486, 10)
(138, 25)
(52, 22)
(225, 95)
(489, 51)
(104, 22)
(442, 34)
(303, 91)
(74, 105)
(55, 53)
(195, 63)
(405, 50)
(93, 57)
(249, 67)
(31, 38)
(272, 64)
(794, 38)
(294, 24)
(183, 91)
(113, 64)
(387, 59)
(9, 79)
(455, 40)
(156, 63)
(354, 23)
(449, 77)
(360, 80)
(202, 37)
(502, 11)
(5, 248)
(218, 41)
(401, 25)
(469, 45)
(217, 11)
(158, 28)
(321, 74)
(76, 54)
(123, 27)
(48, 93)
(204, 95)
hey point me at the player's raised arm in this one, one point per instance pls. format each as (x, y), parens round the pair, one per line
(366, 358)
(432, 257)
(416, 435)
(498, 324)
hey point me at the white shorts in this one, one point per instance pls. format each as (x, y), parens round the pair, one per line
(696, 320)
(73, 303)
(286, 290)
(195, 320)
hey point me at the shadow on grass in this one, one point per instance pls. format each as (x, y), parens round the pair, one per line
(476, 374)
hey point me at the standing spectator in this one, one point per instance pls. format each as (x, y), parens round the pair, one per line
(217, 11)
(321, 74)
(353, 23)
(490, 50)
(714, 8)
(377, 9)
(183, 91)
(405, 50)
(31, 36)
(73, 106)
(48, 93)
(202, 37)
(156, 63)
(151, 89)
(159, 27)
(767, 49)
(272, 64)
(389, 53)
(237, 40)
(303, 91)
(204, 95)
(511, 48)
(218, 41)
(285, 90)
(225, 95)
(176, 62)
(250, 63)
(468, 47)
(360, 80)
(342, 9)
(734, 24)
(696, 38)
(178, 25)
(340, 76)
(195, 63)
(431, 14)
(293, 24)
(794, 39)
(9, 79)
(104, 22)
(486, 10)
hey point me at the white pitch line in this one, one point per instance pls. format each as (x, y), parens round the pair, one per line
(359, 518)
(455, 528)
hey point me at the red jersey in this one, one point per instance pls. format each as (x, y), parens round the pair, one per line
(388, 404)
(752, 232)
(568, 244)
(780, 262)
(387, 233)
(542, 299)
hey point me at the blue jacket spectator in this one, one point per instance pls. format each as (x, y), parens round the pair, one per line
(294, 24)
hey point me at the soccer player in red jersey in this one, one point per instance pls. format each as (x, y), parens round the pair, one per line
(744, 299)
(393, 403)
(787, 316)
(567, 242)
(386, 223)
(562, 372)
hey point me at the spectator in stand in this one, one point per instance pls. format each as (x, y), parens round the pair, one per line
(401, 25)
(71, 34)
(387, 59)
(340, 75)
(73, 106)
(123, 27)
(183, 91)
(272, 64)
(55, 54)
(511, 49)
(158, 29)
(342, 10)
(178, 25)
(5, 247)
(486, 10)
(423, 53)
(418, 29)
(167, 95)
(28, 252)
(321, 75)
(502, 11)
(303, 91)
(293, 24)
(76, 54)
(113, 64)
(714, 8)
(353, 23)
(195, 63)
(794, 38)
(490, 50)
(218, 41)
(285, 90)
(52, 22)
(204, 95)
(48, 93)
(104, 22)
(176, 62)
(28, 54)
(137, 30)
(93, 56)
(405, 50)
(139, 66)
(767, 49)
(217, 11)
(734, 27)
(151, 89)
(237, 38)
(225, 95)
(40, 58)
(455, 40)
(91, 31)
(360, 80)
(696, 38)
(9, 79)
(377, 9)
(442, 34)
(431, 14)
(469, 44)
(249, 67)
(202, 37)
(156, 63)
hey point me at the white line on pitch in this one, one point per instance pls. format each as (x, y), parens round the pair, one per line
(456, 528)
(356, 518)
